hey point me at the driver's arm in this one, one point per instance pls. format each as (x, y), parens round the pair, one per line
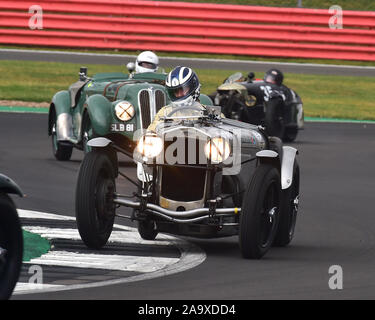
(162, 112)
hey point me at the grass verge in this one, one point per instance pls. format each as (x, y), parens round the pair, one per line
(34, 246)
(323, 96)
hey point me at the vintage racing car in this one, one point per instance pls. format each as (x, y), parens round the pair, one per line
(199, 175)
(11, 238)
(277, 107)
(108, 104)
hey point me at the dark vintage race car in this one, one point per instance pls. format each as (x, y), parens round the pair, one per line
(199, 175)
(278, 108)
(11, 238)
(108, 104)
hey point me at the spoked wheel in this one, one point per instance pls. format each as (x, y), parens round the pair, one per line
(95, 209)
(86, 133)
(289, 209)
(11, 247)
(274, 121)
(260, 212)
(61, 152)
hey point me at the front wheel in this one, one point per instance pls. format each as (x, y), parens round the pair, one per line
(60, 151)
(11, 247)
(95, 209)
(289, 209)
(260, 212)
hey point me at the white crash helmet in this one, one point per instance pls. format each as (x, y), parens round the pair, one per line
(147, 61)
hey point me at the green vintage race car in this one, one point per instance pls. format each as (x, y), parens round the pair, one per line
(113, 105)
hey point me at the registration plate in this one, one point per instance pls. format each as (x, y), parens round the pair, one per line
(122, 127)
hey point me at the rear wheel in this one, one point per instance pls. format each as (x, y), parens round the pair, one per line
(95, 209)
(289, 209)
(290, 134)
(260, 212)
(60, 151)
(274, 121)
(11, 247)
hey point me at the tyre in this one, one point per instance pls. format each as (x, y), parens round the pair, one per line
(274, 122)
(147, 230)
(288, 212)
(86, 133)
(290, 134)
(260, 212)
(95, 209)
(11, 247)
(61, 152)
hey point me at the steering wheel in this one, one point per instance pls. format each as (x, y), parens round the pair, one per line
(183, 108)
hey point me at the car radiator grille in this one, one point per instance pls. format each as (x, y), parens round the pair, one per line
(183, 183)
(159, 100)
(144, 100)
(187, 182)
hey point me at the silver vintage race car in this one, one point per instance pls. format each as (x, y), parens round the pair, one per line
(199, 175)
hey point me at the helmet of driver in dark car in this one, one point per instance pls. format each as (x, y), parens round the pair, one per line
(183, 86)
(274, 76)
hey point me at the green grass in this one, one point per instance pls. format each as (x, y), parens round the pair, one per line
(365, 5)
(323, 96)
(34, 246)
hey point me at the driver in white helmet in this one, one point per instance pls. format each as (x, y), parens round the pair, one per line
(147, 61)
(183, 90)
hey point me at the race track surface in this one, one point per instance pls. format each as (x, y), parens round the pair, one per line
(170, 62)
(336, 223)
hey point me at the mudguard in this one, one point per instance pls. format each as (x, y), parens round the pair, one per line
(286, 165)
(60, 105)
(100, 108)
(7, 185)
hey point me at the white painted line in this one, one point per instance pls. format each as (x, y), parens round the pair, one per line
(127, 236)
(148, 267)
(42, 215)
(103, 261)
(26, 287)
(317, 65)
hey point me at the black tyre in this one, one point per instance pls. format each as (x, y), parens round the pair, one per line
(86, 133)
(61, 152)
(288, 212)
(95, 209)
(11, 247)
(290, 134)
(260, 212)
(273, 120)
(147, 230)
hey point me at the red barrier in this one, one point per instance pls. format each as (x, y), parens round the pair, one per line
(293, 32)
(193, 28)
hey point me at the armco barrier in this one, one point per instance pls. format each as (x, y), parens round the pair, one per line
(190, 27)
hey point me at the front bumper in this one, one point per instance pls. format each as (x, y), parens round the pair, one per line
(188, 216)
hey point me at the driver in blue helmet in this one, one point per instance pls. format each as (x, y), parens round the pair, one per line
(183, 88)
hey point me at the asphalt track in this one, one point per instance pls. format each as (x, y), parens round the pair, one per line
(336, 224)
(170, 62)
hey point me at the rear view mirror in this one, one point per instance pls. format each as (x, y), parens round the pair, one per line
(131, 67)
(82, 73)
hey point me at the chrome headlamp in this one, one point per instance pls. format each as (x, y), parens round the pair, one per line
(124, 111)
(150, 146)
(217, 149)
